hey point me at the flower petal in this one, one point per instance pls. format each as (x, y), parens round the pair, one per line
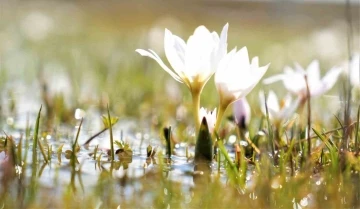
(273, 79)
(198, 54)
(272, 102)
(327, 82)
(294, 81)
(242, 112)
(246, 85)
(154, 56)
(175, 52)
(313, 73)
(289, 110)
(242, 59)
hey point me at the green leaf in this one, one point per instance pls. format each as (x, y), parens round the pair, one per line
(106, 123)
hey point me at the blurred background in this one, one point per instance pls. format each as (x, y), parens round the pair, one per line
(69, 55)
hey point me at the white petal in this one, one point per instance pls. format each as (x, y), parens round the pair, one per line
(289, 110)
(175, 52)
(242, 58)
(299, 69)
(154, 56)
(287, 100)
(327, 82)
(313, 73)
(272, 102)
(223, 40)
(255, 62)
(198, 54)
(224, 32)
(248, 82)
(223, 67)
(273, 79)
(242, 111)
(294, 81)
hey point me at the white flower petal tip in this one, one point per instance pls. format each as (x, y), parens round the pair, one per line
(142, 52)
(210, 117)
(273, 79)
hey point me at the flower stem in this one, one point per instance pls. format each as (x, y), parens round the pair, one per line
(220, 114)
(196, 107)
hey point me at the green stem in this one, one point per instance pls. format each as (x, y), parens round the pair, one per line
(196, 107)
(111, 136)
(220, 114)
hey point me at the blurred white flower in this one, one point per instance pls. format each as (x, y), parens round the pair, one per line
(276, 111)
(242, 112)
(194, 62)
(37, 25)
(79, 114)
(294, 79)
(210, 118)
(236, 76)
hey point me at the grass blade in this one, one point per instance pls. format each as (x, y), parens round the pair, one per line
(74, 151)
(111, 136)
(357, 147)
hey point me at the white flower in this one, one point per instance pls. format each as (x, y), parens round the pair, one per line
(194, 62)
(242, 112)
(294, 79)
(210, 117)
(236, 76)
(276, 111)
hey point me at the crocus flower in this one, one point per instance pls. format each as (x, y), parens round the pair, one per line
(242, 112)
(294, 79)
(210, 117)
(278, 112)
(236, 77)
(194, 62)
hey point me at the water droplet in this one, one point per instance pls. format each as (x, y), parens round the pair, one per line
(318, 182)
(275, 184)
(243, 143)
(232, 139)
(138, 135)
(304, 202)
(10, 121)
(253, 196)
(165, 191)
(146, 136)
